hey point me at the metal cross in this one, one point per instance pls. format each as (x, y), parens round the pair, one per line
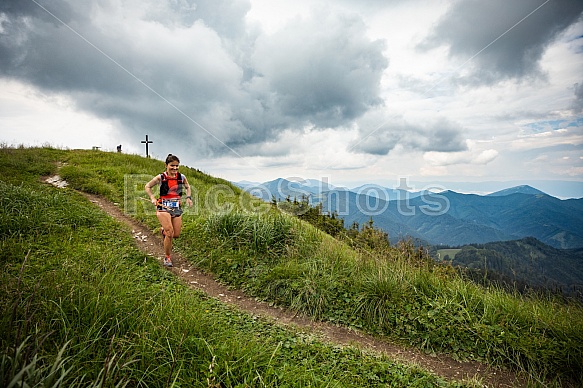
(147, 142)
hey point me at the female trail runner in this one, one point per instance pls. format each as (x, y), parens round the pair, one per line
(168, 210)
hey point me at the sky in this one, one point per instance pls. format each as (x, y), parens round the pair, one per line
(349, 92)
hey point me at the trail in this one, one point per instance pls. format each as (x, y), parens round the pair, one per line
(441, 365)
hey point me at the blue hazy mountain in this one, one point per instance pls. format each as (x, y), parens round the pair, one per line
(385, 193)
(445, 218)
(523, 189)
(280, 189)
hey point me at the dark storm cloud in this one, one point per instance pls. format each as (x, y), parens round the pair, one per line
(471, 25)
(21, 8)
(441, 136)
(193, 68)
(101, 63)
(323, 70)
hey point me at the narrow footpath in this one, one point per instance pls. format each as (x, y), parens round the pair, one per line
(441, 365)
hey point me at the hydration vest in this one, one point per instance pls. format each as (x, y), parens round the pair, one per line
(171, 187)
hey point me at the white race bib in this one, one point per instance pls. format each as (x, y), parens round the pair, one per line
(171, 203)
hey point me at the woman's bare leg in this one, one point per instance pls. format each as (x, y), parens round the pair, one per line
(176, 226)
(168, 224)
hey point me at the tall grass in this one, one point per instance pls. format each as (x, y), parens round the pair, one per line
(81, 306)
(398, 293)
(262, 234)
(394, 293)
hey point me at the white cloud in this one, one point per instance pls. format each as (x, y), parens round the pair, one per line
(464, 157)
(550, 138)
(53, 121)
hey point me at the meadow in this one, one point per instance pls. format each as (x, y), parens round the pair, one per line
(81, 306)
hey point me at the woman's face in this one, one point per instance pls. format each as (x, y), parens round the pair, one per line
(172, 168)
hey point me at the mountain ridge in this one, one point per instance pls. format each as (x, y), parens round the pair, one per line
(448, 217)
(522, 189)
(555, 188)
(526, 263)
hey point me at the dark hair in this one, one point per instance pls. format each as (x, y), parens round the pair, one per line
(172, 158)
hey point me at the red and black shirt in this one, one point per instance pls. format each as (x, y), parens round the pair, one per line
(171, 187)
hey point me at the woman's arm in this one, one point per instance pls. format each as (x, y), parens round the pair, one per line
(188, 192)
(155, 181)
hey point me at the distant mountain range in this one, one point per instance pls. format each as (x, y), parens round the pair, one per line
(444, 218)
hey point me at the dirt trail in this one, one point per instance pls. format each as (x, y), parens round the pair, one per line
(442, 365)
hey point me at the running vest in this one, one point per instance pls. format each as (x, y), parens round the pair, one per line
(171, 188)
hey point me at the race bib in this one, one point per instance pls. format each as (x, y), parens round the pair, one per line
(171, 204)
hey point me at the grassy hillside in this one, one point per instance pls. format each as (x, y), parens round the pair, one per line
(72, 282)
(81, 306)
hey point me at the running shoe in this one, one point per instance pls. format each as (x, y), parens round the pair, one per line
(167, 262)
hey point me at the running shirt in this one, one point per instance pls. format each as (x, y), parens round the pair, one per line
(171, 188)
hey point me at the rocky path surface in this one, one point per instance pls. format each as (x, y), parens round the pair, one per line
(442, 365)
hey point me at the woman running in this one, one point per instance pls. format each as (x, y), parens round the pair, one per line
(168, 210)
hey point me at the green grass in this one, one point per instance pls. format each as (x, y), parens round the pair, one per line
(81, 306)
(399, 296)
(396, 293)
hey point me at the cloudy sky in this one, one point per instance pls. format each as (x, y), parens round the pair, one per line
(346, 91)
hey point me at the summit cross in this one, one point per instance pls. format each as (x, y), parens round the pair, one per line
(147, 142)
